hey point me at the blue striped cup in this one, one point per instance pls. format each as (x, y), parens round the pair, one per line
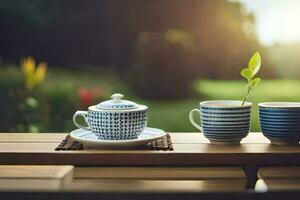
(223, 122)
(280, 122)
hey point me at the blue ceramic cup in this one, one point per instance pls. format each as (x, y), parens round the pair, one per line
(114, 119)
(223, 122)
(280, 122)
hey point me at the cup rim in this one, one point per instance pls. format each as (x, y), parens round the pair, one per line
(289, 105)
(225, 104)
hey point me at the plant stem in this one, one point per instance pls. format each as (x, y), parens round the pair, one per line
(248, 92)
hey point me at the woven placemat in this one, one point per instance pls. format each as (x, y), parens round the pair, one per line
(164, 144)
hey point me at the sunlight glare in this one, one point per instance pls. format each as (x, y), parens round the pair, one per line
(276, 21)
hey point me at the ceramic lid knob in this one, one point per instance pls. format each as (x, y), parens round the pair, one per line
(117, 97)
(117, 103)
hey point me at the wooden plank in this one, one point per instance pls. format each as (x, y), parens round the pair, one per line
(191, 149)
(184, 142)
(267, 173)
(153, 186)
(27, 177)
(188, 138)
(161, 173)
(116, 179)
(150, 159)
(31, 185)
(35, 171)
(280, 178)
(26, 147)
(184, 154)
(177, 138)
(282, 184)
(32, 137)
(199, 138)
(136, 186)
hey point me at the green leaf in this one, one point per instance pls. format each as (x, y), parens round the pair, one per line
(246, 73)
(255, 63)
(31, 102)
(250, 72)
(255, 82)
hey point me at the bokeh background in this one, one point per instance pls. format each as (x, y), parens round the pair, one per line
(60, 56)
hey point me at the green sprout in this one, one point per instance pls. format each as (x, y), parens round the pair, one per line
(250, 72)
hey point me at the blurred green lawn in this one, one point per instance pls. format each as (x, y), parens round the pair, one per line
(172, 115)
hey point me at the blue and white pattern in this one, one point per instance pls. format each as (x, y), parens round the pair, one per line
(117, 125)
(115, 119)
(280, 122)
(91, 140)
(225, 124)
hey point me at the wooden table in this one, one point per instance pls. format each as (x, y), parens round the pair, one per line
(280, 178)
(190, 150)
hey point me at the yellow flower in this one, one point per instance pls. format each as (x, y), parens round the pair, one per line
(28, 65)
(40, 72)
(33, 75)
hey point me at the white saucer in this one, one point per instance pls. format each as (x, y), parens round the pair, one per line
(90, 140)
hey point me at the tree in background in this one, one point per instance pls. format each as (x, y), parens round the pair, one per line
(219, 45)
(76, 33)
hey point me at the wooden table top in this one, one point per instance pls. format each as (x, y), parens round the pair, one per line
(189, 149)
(188, 167)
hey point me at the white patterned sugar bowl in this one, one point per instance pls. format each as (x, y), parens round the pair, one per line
(115, 119)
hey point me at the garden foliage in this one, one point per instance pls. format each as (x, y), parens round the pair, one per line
(31, 104)
(164, 45)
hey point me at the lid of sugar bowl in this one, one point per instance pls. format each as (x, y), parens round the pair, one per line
(117, 103)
